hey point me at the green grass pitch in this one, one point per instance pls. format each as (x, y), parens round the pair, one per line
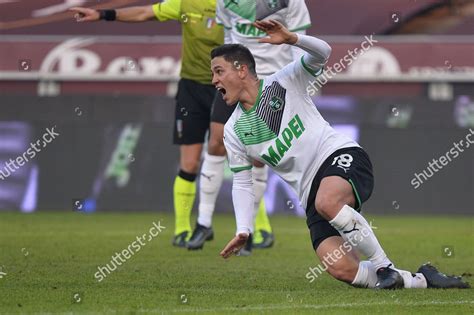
(48, 263)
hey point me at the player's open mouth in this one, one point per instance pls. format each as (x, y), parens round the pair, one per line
(222, 90)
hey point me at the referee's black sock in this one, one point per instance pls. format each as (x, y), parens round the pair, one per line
(187, 176)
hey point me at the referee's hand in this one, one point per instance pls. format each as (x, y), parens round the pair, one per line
(85, 14)
(234, 246)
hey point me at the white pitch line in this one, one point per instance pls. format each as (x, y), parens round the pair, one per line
(185, 309)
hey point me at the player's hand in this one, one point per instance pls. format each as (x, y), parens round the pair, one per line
(277, 33)
(234, 246)
(85, 14)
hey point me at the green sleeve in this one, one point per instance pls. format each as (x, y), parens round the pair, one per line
(167, 10)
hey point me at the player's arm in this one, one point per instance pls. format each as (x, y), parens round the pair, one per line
(242, 192)
(301, 73)
(243, 200)
(298, 20)
(297, 52)
(163, 11)
(317, 50)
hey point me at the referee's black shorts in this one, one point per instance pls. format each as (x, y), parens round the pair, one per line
(352, 164)
(192, 112)
(197, 105)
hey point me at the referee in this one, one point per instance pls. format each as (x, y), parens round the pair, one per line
(195, 93)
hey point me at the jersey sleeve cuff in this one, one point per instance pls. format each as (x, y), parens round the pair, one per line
(300, 28)
(314, 73)
(156, 11)
(240, 169)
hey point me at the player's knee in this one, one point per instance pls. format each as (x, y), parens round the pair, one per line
(215, 146)
(328, 206)
(190, 165)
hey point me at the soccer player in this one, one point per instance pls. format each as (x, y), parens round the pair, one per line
(195, 93)
(237, 17)
(277, 123)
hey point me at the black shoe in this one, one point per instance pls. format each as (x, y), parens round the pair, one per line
(388, 279)
(180, 239)
(438, 280)
(267, 242)
(247, 249)
(201, 234)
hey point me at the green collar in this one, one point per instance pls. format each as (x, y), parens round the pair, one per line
(256, 102)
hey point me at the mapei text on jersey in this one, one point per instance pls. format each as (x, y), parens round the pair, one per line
(283, 143)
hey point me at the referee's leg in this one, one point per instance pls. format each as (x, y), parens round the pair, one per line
(191, 124)
(184, 191)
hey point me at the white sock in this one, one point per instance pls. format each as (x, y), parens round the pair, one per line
(354, 229)
(366, 276)
(212, 174)
(259, 176)
(418, 281)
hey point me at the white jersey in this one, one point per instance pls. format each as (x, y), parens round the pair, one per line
(237, 17)
(283, 130)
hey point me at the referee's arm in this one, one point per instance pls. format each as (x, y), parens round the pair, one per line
(163, 11)
(131, 14)
(136, 14)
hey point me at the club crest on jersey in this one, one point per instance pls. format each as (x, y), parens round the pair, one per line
(276, 103)
(272, 4)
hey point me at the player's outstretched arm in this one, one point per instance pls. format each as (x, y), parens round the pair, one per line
(131, 14)
(318, 51)
(243, 200)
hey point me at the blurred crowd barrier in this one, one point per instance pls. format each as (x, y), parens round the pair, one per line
(115, 153)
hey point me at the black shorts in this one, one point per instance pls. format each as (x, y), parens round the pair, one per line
(193, 111)
(221, 112)
(352, 164)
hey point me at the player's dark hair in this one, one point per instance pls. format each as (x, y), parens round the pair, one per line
(237, 54)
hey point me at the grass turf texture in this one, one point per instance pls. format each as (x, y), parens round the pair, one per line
(49, 258)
